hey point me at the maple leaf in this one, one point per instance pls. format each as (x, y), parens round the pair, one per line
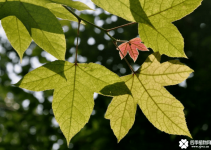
(155, 21)
(132, 48)
(25, 20)
(74, 86)
(162, 109)
(40, 23)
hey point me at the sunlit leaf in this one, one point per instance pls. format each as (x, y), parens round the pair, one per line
(155, 19)
(162, 109)
(74, 88)
(74, 4)
(42, 25)
(60, 12)
(130, 10)
(17, 34)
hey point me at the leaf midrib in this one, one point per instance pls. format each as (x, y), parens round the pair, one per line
(166, 9)
(49, 76)
(72, 100)
(157, 105)
(164, 74)
(125, 107)
(39, 27)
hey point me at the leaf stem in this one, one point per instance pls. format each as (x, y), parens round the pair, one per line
(121, 26)
(102, 29)
(76, 53)
(124, 58)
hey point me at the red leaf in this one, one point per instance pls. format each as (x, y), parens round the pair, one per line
(132, 48)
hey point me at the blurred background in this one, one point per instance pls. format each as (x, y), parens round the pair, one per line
(26, 118)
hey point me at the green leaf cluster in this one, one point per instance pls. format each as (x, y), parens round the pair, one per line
(162, 109)
(25, 20)
(155, 19)
(74, 84)
(74, 88)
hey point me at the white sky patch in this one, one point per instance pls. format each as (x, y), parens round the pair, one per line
(88, 3)
(39, 109)
(39, 96)
(135, 67)
(17, 68)
(54, 122)
(91, 41)
(81, 59)
(25, 104)
(100, 47)
(56, 146)
(13, 77)
(48, 56)
(50, 99)
(95, 95)
(2, 34)
(35, 63)
(75, 41)
(97, 12)
(183, 84)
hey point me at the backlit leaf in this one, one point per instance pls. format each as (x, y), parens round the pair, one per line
(74, 4)
(163, 37)
(60, 12)
(42, 25)
(132, 48)
(162, 109)
(17, 34)
(155, 19)
(130, 10)
(74, 88)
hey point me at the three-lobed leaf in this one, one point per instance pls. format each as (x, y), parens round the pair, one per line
(74, 86)
(132, 48)
(162, 109)
(155, 19)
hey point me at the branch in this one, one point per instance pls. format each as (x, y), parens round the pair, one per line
(121, 26)
(124, 58)
(79, 18)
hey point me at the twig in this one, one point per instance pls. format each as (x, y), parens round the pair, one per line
(102, 29)
(121, 26)
(124, 58)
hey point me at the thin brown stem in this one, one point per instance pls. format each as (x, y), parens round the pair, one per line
(121, 26)
(122, 41)
(102, 29)
(76, 53)
(124, 58)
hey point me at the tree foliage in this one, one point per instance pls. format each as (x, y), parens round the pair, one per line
(74, 83)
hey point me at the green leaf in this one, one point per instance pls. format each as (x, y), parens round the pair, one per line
(17, 34)
(42, 25)
(60, 12)
(74, 4)
(155, 21)
(130, 10)
(74, 88)
(163, 110)
(164, 38)
(171, 10)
